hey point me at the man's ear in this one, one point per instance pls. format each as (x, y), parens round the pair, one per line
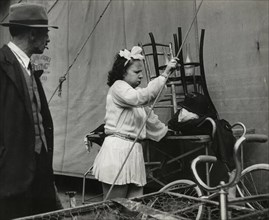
(32, 34)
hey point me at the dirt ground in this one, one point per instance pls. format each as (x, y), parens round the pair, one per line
(67, 184)
(93, 190)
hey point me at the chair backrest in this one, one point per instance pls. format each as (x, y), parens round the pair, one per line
(192, 80)
(180, 84)
(157, 55)
(198, 79)
(202, 71)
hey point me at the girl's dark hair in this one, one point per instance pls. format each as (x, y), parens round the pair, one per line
(118, 70)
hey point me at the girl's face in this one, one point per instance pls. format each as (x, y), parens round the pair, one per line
(134, 74)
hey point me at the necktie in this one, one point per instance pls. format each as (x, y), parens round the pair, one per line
(30, 69)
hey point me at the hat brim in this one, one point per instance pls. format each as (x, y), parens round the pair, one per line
(29, 25)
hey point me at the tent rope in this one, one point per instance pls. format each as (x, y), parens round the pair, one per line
(151, 108)
(56, 1)
(63, 78)
(8, 13)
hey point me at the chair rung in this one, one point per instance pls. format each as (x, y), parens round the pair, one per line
(163, 106)
(174, 83)
(157, 44)
(163, 45)
(168, 95)
(152, 163)
(178, 96)
(150, 54)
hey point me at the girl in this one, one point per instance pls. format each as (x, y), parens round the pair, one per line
(126, 111)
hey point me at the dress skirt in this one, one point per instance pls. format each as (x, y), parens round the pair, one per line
(112, 155)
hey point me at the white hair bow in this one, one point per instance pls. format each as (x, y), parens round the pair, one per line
(135, 54)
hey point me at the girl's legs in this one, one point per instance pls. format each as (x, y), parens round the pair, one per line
(134, 191)
(118, 191)
(122, 191)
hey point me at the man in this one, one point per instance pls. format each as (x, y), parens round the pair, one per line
(26, 128)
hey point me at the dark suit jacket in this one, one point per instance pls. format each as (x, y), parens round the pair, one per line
(17, 134)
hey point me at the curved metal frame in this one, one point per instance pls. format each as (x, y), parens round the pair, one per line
(223, 187)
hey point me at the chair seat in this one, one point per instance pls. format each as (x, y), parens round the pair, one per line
(194, 64)
(189, 79)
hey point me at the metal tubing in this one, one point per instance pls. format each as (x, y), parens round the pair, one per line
(223, 203)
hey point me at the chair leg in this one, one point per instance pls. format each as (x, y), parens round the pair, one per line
(84, 184)
(174, 98)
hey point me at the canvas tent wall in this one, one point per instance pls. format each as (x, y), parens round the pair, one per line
(235, 51)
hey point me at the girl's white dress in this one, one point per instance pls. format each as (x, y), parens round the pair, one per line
(126, 111)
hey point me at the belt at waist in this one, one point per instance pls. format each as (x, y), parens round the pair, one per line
(125, 137)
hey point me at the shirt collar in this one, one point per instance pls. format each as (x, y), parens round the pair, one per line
(21, 56)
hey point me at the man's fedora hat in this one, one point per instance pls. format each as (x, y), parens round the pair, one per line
(28, 15)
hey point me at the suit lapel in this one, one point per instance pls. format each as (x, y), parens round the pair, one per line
(13, 70)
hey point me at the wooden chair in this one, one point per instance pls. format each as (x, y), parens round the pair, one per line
(198, 79)
(179, 84)
(156, 57)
